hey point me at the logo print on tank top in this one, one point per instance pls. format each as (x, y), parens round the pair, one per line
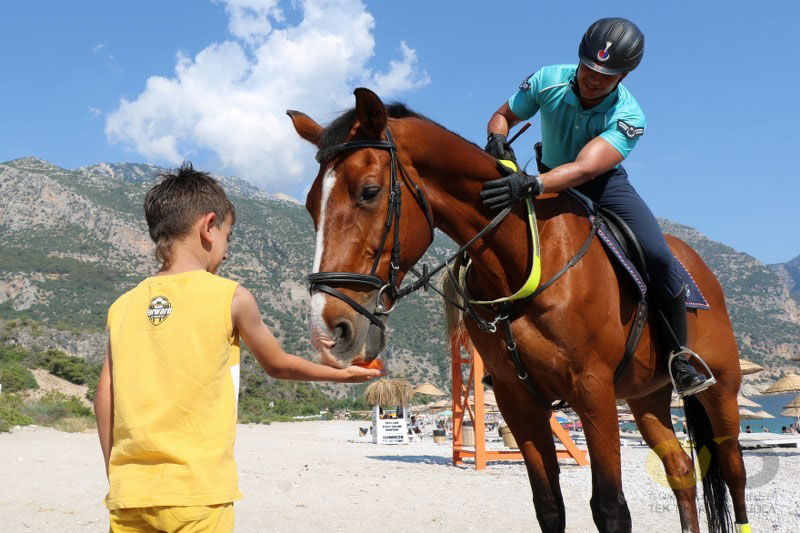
(158, 310)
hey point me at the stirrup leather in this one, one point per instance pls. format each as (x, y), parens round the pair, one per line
(689, 354)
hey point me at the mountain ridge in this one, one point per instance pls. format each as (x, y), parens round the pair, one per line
(77, 240)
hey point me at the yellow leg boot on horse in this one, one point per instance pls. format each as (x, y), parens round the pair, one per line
(685, 378)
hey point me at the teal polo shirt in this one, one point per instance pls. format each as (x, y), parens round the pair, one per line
(566, 126)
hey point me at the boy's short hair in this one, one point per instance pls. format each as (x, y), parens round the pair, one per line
(178, 201)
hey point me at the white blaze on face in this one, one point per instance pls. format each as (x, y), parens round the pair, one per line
(316, 323)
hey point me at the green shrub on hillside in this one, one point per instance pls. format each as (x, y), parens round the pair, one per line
(54, 406)
(15, 376)
(11, 417)
(11, 412)
(73, 369)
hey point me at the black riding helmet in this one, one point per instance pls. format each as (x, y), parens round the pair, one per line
(612, 46)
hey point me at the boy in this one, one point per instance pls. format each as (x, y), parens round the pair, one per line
(166, 398)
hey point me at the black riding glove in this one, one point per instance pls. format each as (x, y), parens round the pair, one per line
(507, 191)
(498, 147)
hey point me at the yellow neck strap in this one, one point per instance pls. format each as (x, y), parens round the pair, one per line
(535, 275)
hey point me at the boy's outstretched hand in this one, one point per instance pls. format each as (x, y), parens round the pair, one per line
(256, 335)
(359, 374)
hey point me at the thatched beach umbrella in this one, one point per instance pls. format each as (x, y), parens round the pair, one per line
(430, 389)
(744, 401)
(749, 368)
(790, 383)
(747, 413)
(763, 414)
(389, 392)
(792, 410)
(793, 403)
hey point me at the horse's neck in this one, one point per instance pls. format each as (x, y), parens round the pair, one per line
(453, 172)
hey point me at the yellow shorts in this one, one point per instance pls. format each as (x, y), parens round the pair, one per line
(210, 518)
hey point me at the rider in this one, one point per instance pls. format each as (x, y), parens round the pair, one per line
(590, 123)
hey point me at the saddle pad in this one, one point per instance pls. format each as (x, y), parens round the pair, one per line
(694, 297)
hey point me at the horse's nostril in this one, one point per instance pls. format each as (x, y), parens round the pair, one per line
(342, 331)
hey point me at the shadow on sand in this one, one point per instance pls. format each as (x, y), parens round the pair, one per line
(416, 459)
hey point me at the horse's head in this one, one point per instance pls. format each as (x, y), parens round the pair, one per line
(359, 221)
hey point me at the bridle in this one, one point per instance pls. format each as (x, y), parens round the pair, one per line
(320, 281)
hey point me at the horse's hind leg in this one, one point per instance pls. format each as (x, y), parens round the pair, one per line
(653, 419)
(597, 409)
(722, 409)
(530, 425)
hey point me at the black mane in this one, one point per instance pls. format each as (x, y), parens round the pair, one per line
(337, 131)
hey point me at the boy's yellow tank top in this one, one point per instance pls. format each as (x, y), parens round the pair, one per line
(175, 379)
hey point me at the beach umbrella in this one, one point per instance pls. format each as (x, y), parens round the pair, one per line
(744, 401)
(389, 392)
(790, 383)
(793, 403)
(430, 389)
(676, 403)
(793, 410)
(763, 414)
(749, 368)
(747, 413)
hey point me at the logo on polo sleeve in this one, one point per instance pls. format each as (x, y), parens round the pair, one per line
(631, 132)
(158, 310)
(526, 83)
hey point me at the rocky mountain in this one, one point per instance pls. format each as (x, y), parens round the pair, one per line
(71, 241)
(790, 272)
(74, 240)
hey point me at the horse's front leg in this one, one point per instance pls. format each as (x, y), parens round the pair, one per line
(595, 404)
(530, 425)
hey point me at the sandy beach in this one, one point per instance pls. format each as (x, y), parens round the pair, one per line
(321, 476)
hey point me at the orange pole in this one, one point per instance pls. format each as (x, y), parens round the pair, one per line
(458, 415)
(478, 420)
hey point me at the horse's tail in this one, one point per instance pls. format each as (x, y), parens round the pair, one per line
(714, 490)
(454, 319)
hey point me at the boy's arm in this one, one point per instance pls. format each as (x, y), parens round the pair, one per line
(104, 407)
(269, 354)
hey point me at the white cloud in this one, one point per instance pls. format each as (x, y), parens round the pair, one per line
(94, 113)
(98, 48)
(230, 99)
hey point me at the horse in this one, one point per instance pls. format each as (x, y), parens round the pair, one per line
(570, 337)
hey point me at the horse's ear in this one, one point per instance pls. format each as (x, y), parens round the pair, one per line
(306, 127)
(371, 112)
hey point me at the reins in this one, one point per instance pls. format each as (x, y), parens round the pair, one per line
(507, 308)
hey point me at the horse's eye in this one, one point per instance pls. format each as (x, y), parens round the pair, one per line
(369, 193)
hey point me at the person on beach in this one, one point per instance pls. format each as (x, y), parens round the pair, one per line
(590, 123)
(167, 395)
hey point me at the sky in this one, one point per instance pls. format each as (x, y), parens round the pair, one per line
(209, 81)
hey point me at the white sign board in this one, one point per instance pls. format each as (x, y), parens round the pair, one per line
(388, 430)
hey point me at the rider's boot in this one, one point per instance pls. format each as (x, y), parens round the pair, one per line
(687, 379)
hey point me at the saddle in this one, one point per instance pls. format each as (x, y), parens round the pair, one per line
(624, 248)
(622, 245)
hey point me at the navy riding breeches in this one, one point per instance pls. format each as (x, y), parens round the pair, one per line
(613, 191)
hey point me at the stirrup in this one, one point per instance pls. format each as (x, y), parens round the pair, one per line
(698, 388)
